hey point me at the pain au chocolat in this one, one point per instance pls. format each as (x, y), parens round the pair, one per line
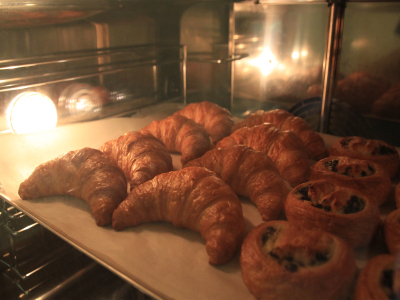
(362, 175)
(342, 211)
(376, 151)
(281, 261)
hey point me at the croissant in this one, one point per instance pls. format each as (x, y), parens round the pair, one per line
(140, 155)
(216, 120)
(280, 261)
(195, 198)
(342, 211)
(180, 134)
(87, 174)
(284, 120)
(377, 151)
(250, 174)
(379, 279)
(365, 176)
(284, 147)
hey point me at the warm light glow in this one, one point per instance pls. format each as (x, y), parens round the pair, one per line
(295, 55)
(266, 62)
(304, 53)
(31, 112)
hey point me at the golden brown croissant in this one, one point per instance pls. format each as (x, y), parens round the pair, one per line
(377, 151)
(342, 211)
(250, 174)
(193, 197)
(217, 120)
(87, 174)
(180, 134)
(284, 147)
(379, 279)
(140, 155)
(280, 261)
(365, 176)
(284, 120)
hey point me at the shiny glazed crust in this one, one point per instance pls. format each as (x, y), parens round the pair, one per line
(364, 176)
(284, 120)
(391, 229)
(344, 212)
(284, 147)
(87, 174)
(195, 198)
(328, 271)
(369, 283)
(218, 121)
(180, 134)
(140, 155)
(250, 174)
(377, 151)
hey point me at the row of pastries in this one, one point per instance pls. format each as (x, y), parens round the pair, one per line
(314, 214)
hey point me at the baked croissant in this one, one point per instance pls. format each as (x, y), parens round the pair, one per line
(87, 174)
(377, 151)
(193, 197)
(280, 261)
(284, 120)
(250, 174)
(180, 134)
(217, 120)
(284, 147)
(140, 155)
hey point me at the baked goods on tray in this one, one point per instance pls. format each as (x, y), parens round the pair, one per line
(284, 147)
(324, 205)
(180, 134)
(218, 121)
(391, 230)
(365, 176)
(281, 261)
(284, 120)
(249, 173)
(140, 155)
(87, 174)
(379, 279)
(195, 198)
(377, 151)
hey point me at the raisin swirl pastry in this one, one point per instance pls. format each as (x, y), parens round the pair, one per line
(362, 175)
(339, 210)
(284, 147)
(218, 121)
(391, 230)
(397, 195)
(87, 174)
(284, 120)
(380, 279)
(195, 198)
(250, 174)
(377, 151)
(280, 261)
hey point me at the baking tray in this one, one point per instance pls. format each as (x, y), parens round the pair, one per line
(158, 259)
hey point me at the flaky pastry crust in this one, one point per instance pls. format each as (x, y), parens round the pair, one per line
(367, 177)
(195, 198)
(280, 261)
(377, 151)
(391, 229)
(250, 174)
(344, 212)
(140, 155)
(218, 121)
(285, 120)
(180, 134)
(87, 174)
(284, 147)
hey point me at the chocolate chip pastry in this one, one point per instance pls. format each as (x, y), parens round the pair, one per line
(377, 151)
(344, 212)
(280, 261)
(367, 177)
